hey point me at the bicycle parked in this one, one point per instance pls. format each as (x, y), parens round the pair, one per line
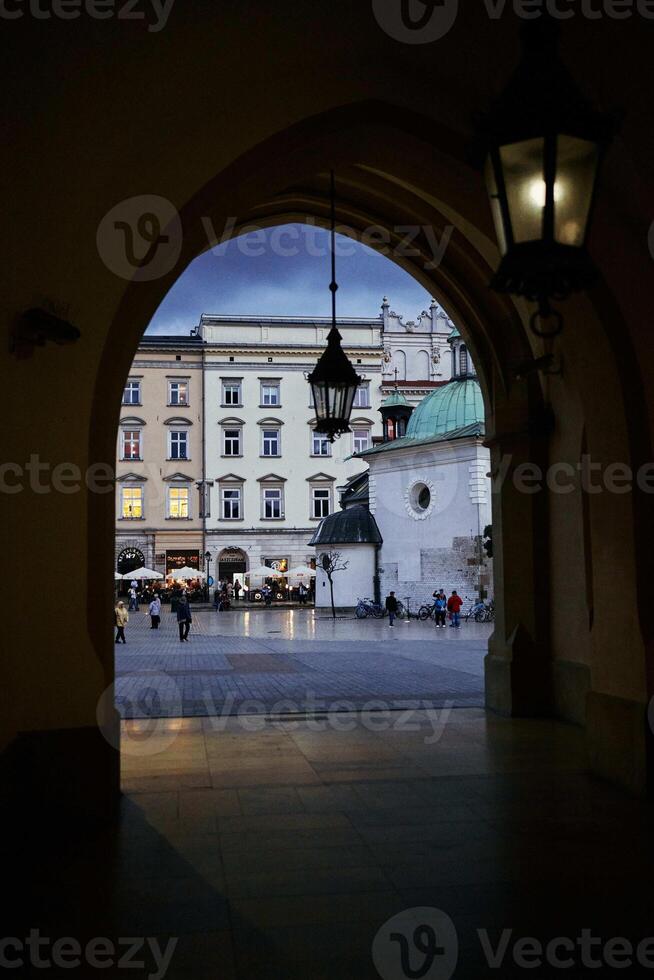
(480, 612)
(369, 608)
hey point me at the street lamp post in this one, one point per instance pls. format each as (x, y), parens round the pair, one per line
(207, 559)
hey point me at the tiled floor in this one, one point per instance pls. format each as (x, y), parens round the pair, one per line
(291, 660)
(281, 852)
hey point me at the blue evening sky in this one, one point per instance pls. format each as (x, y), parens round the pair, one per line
(284, 271)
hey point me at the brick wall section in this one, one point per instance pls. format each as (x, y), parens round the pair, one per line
(452, 568)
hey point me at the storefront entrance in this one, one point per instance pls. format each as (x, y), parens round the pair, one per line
(232, 565)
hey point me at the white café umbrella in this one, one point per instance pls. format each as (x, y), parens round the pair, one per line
(143, 572)
(187, 572)
(117, 576)
(302, 571)
(264, 572)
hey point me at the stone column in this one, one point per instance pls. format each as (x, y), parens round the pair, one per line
(517, 666)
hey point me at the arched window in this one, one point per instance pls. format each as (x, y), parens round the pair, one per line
(422, 366)
(399, 364)
(463, 359)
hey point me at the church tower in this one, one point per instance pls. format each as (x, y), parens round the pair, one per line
(462, 366)
(395, 412)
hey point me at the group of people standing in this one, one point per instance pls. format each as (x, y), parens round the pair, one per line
(443, 606)
(184, 617)
(225, 592)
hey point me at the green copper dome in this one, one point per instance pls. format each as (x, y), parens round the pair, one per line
(395, 398)
(455, 405)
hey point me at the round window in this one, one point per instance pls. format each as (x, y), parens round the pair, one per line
(424, 498)
(420, 498)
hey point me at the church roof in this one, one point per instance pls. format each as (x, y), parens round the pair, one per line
(355, 525)
(446, 409)
(455, 333)
(356, 490)
(474, 430)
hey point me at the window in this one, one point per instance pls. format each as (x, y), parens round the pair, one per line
(320, 445)
(231, 442)
(272, 503)
(131, 444)
(178, 502)
(362, 395)
(178, 444)
(463, 359)
(360, 440)
(231, 392)
(131, 503)
(231, 504)
(320, 499)
(270, 442)
(132, 393)
(178, 392)
(270, 393)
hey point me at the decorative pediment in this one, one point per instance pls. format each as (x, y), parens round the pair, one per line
(361, 421)
(271, 478)
(270, 421)
(321, 478)
(178, 478)
(131, 478)
(231, 420)
(230, 478)
(132, 420)
(177, 420)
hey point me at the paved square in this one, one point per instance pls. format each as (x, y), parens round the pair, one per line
(294, 661)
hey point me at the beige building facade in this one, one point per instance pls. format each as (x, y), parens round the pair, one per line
(159, 458)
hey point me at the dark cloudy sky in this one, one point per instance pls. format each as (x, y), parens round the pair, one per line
(285, 271)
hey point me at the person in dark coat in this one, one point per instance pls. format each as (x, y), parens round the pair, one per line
(184, 618)
(391, 607)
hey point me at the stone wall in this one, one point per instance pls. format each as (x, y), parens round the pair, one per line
(452, 568)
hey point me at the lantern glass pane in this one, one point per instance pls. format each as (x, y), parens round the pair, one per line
(576, 169)
(524, 179)
(320, 400)
(496, 208)
(339, 393)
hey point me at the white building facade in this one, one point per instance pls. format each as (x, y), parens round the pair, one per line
(216, 450)
(270, 478)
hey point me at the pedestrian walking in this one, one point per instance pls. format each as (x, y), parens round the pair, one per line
(184, 618)
(391, 607)
(155, 612)
(454, 604)
(133, 600)
(237, 590)
(302, 591)
(266, 592)
(440, 608)
(216, 599)
(121, 619)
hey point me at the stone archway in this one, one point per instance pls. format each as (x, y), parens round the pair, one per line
(388, 170)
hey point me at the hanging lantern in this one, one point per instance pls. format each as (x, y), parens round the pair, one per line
(333, 380)
(544, 146)
(333, 383)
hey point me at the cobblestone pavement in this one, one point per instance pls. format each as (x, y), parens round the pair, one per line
(294, 661)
